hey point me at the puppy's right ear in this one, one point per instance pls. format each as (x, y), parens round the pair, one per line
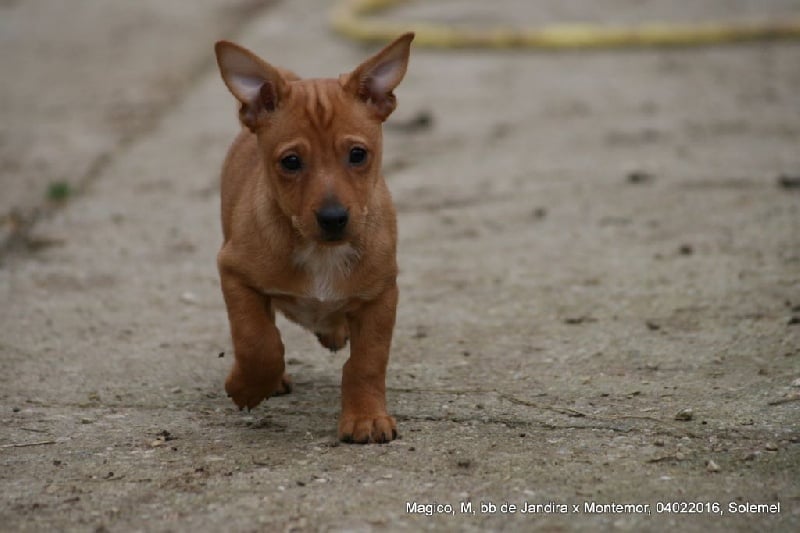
(254, 82)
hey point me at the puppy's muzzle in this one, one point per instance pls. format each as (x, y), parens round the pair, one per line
(332, 220)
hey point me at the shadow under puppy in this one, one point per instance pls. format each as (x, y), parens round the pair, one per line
(309, 227)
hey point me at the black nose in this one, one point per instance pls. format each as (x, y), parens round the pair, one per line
(332, 220)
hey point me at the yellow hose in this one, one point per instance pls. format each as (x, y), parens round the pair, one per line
(348, 18)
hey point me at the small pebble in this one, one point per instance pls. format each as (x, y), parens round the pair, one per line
(685, 414)
(189, 297)
(711, 466)
(640, 176)
(787, 181)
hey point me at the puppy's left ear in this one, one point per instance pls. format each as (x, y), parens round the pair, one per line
(374, 80)
(255, 83)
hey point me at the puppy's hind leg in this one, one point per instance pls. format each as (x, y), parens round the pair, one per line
(335, 339)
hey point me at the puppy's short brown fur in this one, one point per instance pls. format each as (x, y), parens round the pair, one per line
(309, 227)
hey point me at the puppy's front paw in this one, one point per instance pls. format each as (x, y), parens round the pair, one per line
(247, 390)
(367, 429)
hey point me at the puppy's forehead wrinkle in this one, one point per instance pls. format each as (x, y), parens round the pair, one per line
(315, 97)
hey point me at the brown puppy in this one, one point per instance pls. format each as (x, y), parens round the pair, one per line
(309, 227)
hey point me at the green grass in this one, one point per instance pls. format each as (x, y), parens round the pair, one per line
(58, 191)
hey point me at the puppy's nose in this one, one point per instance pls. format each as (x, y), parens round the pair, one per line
(332, 220)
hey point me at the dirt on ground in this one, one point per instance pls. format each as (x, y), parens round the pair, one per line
(599, 325)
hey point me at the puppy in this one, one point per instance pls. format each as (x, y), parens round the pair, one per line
(309, 227)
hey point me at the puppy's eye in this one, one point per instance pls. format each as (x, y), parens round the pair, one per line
(358, 156)
(291, 163)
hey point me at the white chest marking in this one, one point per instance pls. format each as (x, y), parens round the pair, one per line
(326, 266)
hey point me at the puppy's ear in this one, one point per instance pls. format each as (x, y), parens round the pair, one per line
(254, 82)
(374, 80)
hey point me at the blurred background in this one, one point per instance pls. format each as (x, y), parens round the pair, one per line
(86, 76)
